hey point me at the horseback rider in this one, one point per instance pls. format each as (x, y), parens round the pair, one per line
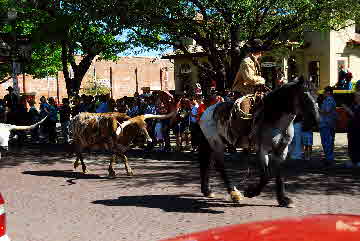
(248, 79)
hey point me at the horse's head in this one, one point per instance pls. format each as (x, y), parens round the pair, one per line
(291, 98)
(304, 103)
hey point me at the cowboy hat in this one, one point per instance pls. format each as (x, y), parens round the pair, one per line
(257, 45)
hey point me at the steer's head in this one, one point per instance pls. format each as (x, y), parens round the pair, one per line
(134, 128)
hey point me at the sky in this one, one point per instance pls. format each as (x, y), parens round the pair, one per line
(149, 53)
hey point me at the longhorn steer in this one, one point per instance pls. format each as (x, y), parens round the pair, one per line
(5, 130)
(112, 132)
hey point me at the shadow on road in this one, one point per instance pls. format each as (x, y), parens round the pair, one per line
(182, 169)
(173, 203)
(73, 176)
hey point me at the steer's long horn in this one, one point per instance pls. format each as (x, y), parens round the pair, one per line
(24, 128)
(167, 116)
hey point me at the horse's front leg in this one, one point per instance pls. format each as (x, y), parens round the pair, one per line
(218, 157)
(255, 190)
(279, 155)
(205, 163)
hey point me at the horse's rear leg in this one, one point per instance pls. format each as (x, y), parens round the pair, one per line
(205, 163)
(253, 191)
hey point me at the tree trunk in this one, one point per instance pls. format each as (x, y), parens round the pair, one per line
(73, 84)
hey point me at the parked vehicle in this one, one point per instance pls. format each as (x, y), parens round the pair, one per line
(3, 236)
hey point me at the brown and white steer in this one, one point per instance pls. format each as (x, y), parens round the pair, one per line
(112, 132)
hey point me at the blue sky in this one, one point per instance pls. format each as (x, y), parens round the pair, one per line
(150, 53)
(139, 52)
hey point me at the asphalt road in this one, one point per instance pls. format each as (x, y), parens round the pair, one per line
(46, 200)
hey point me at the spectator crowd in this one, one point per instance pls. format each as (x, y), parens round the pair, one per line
(184, 126)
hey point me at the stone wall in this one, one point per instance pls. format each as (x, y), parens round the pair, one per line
(129, 74)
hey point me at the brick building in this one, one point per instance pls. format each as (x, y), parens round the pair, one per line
(125, 77)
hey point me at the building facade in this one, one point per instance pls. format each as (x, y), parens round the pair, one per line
(325, 52)
(319, 59)
(124, 77)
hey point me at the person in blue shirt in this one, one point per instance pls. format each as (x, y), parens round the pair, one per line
(104, 105)
(328, 118)
(52, 120)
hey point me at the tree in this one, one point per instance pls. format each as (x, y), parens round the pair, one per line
(45, 59)
(81, 27)
(223, 27)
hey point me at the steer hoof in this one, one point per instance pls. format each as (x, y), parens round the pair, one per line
(112, 174)
(236, 196)
(130, 173)
(76, 165)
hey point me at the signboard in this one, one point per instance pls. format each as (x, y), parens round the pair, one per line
(268, 64)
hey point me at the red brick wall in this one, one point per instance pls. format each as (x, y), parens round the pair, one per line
(123, 78)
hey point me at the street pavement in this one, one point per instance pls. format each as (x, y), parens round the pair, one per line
(47, 200)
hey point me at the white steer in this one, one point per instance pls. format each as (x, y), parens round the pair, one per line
(5, 130)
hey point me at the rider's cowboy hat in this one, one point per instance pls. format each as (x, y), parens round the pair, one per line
(257, 45)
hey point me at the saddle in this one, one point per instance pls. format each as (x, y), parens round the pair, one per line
(249, 104)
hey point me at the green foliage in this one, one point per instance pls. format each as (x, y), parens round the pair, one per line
(222, 27)
(93, 88)
(45, 61)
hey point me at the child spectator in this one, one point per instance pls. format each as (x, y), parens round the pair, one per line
(307, 139)
(295, 148)
(65, 112)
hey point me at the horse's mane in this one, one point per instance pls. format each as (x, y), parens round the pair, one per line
(280, 101)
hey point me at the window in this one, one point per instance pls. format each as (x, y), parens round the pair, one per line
(314, 73)
(357, 28)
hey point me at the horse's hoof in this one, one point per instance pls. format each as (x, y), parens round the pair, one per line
(236, 196)
(286, 203)
(291, 205)
(209, 195)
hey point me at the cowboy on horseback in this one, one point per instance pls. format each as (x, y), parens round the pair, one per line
(250, 84)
